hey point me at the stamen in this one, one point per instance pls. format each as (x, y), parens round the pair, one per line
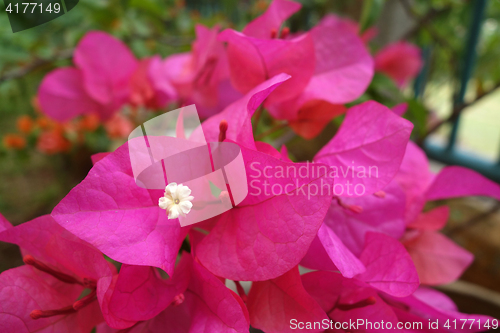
(89, 283)
(274, 33)
(37, 314)
(84, 301)
(29, 260)
(361, 304)
(353, 208)
(285, 32)
(178, 300)
(241, 291)
(223, 126)
(206, 72)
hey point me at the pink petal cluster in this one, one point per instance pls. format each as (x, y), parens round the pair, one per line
(356, 218)
(106, 77)
(401, 61)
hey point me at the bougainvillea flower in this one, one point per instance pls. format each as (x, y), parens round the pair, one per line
(124, 221)
(149, 86)
(118, 127)
(319, 84)
(201, 76)
(346, 300)
(400, 109)
(269, 232)
(272, 304)
(336, 80)
(107, 76)
(379, 214)
(366, 35)
(271, 20)
(350, 300)
(238, 115)
(203, 304)
(121, 219)
(438, 259)
(44, 294)
(139, 293)
(254, 60)
(401, 61)
(386, 264)
(429, 305)
(367, 150)
(62, 96)
(256, 54)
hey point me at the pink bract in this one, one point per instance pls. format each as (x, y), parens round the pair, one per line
(201, 76)
(120, 218)
(269, 232)
(274, 303)
(206, 305)
(27, 288)
(372, 138)
(400, 61)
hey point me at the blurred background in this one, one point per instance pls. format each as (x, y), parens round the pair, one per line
(454, 101)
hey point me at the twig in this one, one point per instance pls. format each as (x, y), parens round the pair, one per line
(19, 72)
(455, 113)
(424, 21)
(475, 220)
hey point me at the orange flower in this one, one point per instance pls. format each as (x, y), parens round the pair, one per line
(261, 5)
(44, 123)
(118, 127)
(89, 123)
(25, 124)
(35, 103)
(52, 142)
(14, 141)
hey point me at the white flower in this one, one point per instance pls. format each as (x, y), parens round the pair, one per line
(177, 200)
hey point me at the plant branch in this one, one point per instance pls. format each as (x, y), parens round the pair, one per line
(455, 113)
(38, 63)
(474, 220)
(425, 22)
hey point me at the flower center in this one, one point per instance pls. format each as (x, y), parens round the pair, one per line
(176, 201)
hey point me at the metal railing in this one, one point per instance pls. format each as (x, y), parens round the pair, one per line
(449, 153)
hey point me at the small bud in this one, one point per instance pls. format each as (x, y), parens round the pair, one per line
(274, 33)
